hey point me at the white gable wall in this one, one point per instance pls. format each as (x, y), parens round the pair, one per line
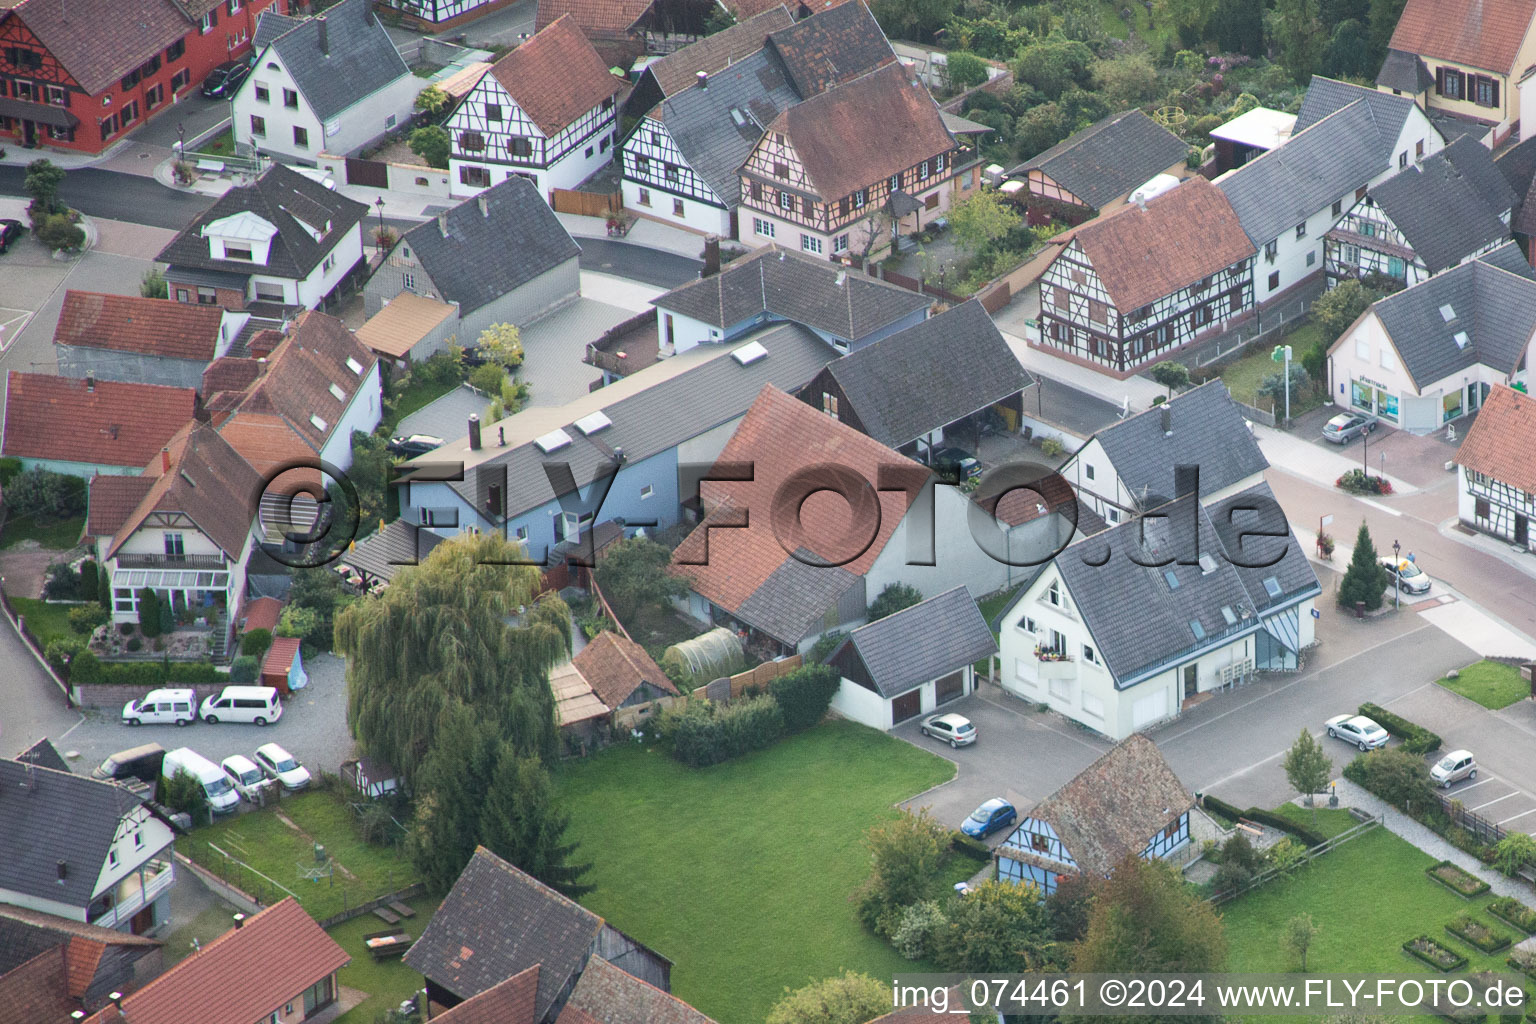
(280, 120)
(578, 151)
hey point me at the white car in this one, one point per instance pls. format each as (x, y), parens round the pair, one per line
(277, 763)
(1453, 767)
(162, 707)
(1358, 730)
(245, 777)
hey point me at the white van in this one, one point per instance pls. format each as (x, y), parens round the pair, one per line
(161, 707)
(259, 704)
(216, 786)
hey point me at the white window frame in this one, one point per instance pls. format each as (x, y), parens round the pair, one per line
(811, 244)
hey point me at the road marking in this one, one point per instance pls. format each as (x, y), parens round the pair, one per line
(1474, 785)
(1495, 800)
(11, 326)
(1520, 815)
(1379, 506)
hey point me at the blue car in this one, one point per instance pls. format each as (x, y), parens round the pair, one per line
(988, 818)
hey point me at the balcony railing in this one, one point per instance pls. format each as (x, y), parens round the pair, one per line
(171, 562)
(158, 875)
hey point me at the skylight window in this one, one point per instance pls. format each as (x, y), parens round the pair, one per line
(749, 353)
(1173, 581)
(1197, 629)
(553, 441)
(1272, 586)
(593, 422)
(1462, 341)
(337, 393)
(354, 365)
(1447, 312)
(317, 421)
(1207, 565)
(1229, 615)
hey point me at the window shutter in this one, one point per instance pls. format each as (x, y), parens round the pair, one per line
(1461, 84)
(757, 190)
(805, 207)
(842, 207)
(1493, 85)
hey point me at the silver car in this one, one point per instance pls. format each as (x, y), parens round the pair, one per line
(1409, 576)
(1453, 767)
(1347, 426)
(957, 729)
(1359, 730)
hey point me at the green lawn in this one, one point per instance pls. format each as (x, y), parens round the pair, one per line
(51, 534)
(1492, 684)
(417, 395)
(990, 606)
(1244, 376)
(1322, 818)
(387, 982)
(269, 846)
(1367, 898)
(222, 144)
(741, 873)
(45, 621)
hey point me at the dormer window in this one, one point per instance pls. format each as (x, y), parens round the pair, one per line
(235, 252)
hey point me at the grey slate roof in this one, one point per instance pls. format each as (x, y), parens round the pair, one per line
(1208, 432)
(930, 639)
(1509, 257)
(660, 417)
(929, 375)
(285, 199)
(1454, 126)
(1251, 511)
(1113, 808)
(832, 47)
(52, 816)
(1443, 205)
(485, 255)
(497, 921)
(706, 132)
(1495, 308)
(795, 597)
(1104, 580)
(45, 755)
(385, 552)
(1404, 71)
(360, 58)
(1335, 155)
(802, 289)
(1109, 158)
(1328, 95)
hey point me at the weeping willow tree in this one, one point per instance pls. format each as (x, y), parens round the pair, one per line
(439, 639)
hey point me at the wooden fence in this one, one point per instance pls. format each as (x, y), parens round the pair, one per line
(1270, 874)
(585, 204)
(762, 675)
(1484, 829)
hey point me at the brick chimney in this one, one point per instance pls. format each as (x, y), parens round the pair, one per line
(165, 460)
(325, 40)
(474, 432)
(711, 256)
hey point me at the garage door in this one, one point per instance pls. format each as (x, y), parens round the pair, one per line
(1149, 709)
(906, 706)
(950, 687)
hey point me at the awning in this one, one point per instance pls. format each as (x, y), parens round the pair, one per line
(958, 125)
(42, 113)
(903, 204)
(207, 278)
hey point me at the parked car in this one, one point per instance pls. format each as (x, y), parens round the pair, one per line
(1347, 426)
(222, 797)
(414, 444)
(1408, 575)
(161, 707)
(954, 465)
(1359, 730)
(224, 81)
(245, 777)
(1453, 767)
(988, 818)
(957, 729)
(258, 704)
(277, 763)
(10, 230)
(141, 762)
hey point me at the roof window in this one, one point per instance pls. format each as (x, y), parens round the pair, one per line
(749, 353)
(1197, 629)
(337, 393)
(1447, 312)
(1272, 586)
(317, 421)
(593, 422)
(1173, 581)
(354, 365)
(553, 441)
(1461, 339)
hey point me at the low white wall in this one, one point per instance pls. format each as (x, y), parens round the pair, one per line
(407, 178)
(861, 705)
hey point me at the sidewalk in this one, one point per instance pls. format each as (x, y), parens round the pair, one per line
(1503, 550)
(1286, 451)
(1136, 393)
(644, 232)
(1405, 828)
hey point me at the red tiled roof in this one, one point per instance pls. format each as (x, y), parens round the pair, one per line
(1502, 439)
(100, 41)
(511, 1002)
(861, 133)
(605, 994)
(229, 373)
(81, 957)
(280, 655)
(111, 424)
(1485, 34)
(781, 436)
(605, 16)
(556, 76)
(615, 667)
(111, 500)
(243, 975)
(1192, 229)
(131, 323)
(38, 990)
(263, 613)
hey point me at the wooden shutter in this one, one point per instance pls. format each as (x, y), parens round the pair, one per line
(1494, 85)
(1440, 81)
(842, 207)
(757, 190)
(805, 208)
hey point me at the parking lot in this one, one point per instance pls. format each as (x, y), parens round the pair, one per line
(313, 728)
(1498, 800)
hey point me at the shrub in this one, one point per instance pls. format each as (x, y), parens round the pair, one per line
(1395, 775)
(87, 617)
(1051, 446)
(167, 621)
(255, 642)
(60, 231)
(1512, 912)
(913, 937)
(907, 855)
(89, 584)
(10, 469)
(42, 494)
(1437, 956)
(1416, 739)
(432, 144)
(134, 644)
(804, 695)
(705, 733)
(1308, 836)
(149, 613)
(892, 599)
(1523, 960)
(1358, 481)
(1456, 879)
(1514, 852)
(61, 652)
(63, 583)
(86, 668)
(1472, 931)
(243, 669)
(488, 377)
(975, 849)
(825, 644)
(1231, 877)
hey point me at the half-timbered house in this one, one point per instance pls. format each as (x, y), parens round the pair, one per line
(845, 171)
(546, 112)
(1452, 207)
(1429, 354)
(79, 74)
(613, 27)
(1132, 287)
(678, 71)
(1496, 478)
(440, 15)
(1128, 803)
(1096, 168)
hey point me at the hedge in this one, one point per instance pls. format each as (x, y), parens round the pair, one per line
(89, 670)
(1263, 817)
(1469, 891)
(1454, 961)
(968, 847)
(1473, 932)
(805, 694)
(706, 733)
(1416, 739)
(1514, 913)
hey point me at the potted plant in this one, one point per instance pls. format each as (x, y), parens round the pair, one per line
(1325, 545)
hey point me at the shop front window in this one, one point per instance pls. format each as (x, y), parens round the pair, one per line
(1451, 404)
(1386, 406)
(1362, 396)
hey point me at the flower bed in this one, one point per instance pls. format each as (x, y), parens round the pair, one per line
(1433, 953)
(1357, 481)
(1457, 880)
(1512, 912)
(1469, 929)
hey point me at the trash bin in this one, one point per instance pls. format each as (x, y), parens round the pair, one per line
(1359, 609)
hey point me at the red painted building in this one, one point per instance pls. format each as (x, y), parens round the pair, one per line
(78, 74)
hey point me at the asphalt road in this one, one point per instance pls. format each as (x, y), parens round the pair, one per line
(117, 196)
(637, 263)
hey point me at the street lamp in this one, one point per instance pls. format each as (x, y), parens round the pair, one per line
(181, 141)
(379, 238)
(1282, 354)
(1397, 575)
